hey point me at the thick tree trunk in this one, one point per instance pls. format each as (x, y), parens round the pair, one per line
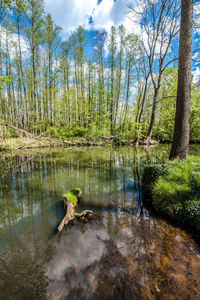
(180, 146)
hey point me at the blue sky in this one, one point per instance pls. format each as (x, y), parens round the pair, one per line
(100, 15)
(69, 14)
(92, 15)
(95, 15)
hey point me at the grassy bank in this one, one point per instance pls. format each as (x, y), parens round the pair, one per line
(30, 143)
(174, 190)
(27, 143)
(15, 143)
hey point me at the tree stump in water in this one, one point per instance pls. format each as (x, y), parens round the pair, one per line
(70, 204)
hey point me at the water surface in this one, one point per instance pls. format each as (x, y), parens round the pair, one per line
(121, 253)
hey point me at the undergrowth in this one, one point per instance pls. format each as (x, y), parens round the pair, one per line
(176, 192)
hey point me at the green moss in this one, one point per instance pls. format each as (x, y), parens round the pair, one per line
(73, 195)
(176, 191)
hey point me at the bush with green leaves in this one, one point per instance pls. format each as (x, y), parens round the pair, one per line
(80, 131)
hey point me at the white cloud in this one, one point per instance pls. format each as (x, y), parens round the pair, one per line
(196, 75)
(12, 42)
(196, 18)
(69, 14)
(110, 13)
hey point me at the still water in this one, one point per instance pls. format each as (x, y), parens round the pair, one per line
(123, 252)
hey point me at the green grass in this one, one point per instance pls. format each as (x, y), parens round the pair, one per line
(176, 192)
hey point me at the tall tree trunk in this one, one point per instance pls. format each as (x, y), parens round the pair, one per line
(22, 74)
(112, 96)
(9, 95)
(50, 85)
(153, 112)
(180, 145)
(127, 91)
(141, 107)
(34, 96)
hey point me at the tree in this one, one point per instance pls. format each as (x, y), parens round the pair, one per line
(99, 49)
(180, 145)
(158, 20)
(65, 68)
(112, 49)
(77, 44)
(33, 31)
(120, 58)
(7, 5)
(51, 32)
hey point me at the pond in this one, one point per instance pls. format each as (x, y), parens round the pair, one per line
(123, 252)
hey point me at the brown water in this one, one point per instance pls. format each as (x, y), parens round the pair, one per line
(121, 253)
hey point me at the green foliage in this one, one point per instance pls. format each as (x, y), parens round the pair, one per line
(53, 132)
(6, 132)
(195, 114)
(195, 182)
(117, 141)
(4, 80)
(191, 213)
(8, 5)
(65, 132)
(63, 93)
(79, 132)
(164, 123)
(176, 192)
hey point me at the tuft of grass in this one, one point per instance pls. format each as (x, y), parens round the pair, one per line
(176, 191)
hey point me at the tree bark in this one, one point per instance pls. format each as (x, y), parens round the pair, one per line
(71, 214)
(180, 145)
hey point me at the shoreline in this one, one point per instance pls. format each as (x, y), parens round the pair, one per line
(24, 143)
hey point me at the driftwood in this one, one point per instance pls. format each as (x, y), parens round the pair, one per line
(70, 204)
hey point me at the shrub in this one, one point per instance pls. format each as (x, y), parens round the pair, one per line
(80, 131)
(195, 182)
(191, 213)
(175, 191)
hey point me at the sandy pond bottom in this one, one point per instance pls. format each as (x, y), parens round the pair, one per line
(124, 257)
(121, 253)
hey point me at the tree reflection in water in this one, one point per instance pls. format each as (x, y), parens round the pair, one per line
(123, 254)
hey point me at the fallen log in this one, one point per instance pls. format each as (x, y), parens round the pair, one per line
(70, 204)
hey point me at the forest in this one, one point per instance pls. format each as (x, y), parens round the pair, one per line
(119, 83)
(99, 149)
